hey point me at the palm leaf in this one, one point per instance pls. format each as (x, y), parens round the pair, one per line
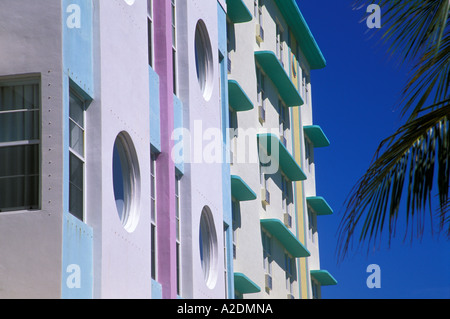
(406, 160)
(417, 32)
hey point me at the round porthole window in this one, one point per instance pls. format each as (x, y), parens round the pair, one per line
(208, 247)
(126, 181)
(203, 59)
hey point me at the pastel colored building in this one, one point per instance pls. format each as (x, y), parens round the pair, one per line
(272, 54)
(158, 149)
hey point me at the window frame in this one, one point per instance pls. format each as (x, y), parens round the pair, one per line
(153, 219)
(174, 47)
(258, 12)
(27, 143)
(309, 153)
(312, 224)
(289, 268)
(208, 246)
(73, 152)
(178, 232)
(150, 34)
(283, 121)
(267, 253)
(279, 39)
(286, 185)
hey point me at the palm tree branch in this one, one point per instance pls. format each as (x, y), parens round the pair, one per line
(409, 155)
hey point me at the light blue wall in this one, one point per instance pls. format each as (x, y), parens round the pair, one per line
(78, 44)
(77, 259)
(178, 123)
(156, 290)
(226, 178)
(155, 132)
(77, 251)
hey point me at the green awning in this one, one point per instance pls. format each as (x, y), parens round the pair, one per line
(324, 277)
(286, 162)
(286, 237)
(319, 205)
(245, 285)
(316, 135)
(275, 71)
(240, 190)
(237, 98)
(238, 12)
(302, 33)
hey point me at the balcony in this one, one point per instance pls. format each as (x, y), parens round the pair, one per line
(238, 12)
(273, 68)
(298, 26)
(277, 229)
(285, 160)
(319, 205)
(316, 135)
(240, 190)
(244, 285)
(323, 277)
(237, 98)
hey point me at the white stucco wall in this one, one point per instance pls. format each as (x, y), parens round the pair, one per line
(31, 241)
(249, 246)
(202, 180)
(122, 259)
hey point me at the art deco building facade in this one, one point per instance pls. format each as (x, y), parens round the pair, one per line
(158, 149)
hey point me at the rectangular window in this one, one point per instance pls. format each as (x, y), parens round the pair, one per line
(234, 214)
(285, 194)
(20, 105)
(233, 133)
(174, 47)
(229, 34)
(308, 154)
(150, 31)
(283, 121)
(260, 95)
(312, 227)
(267, 253)
(289, 270)
(260, 86)
(258, 10)
(263, 179)
(315, 290)
(178, 232)
(77, 107)
(279, 43)
(305, 88)
(225, 258)
(153, 215)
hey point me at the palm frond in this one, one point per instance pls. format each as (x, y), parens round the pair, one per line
(443, 215)
(416, 157)
(410, 159)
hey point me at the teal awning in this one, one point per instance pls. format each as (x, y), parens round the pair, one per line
(276, 72)
(240, 190)
(323, 277)
(302, 33)
(245, 285)
(286, 237)
(238, 12)
(316, 135)
(286, 162)
(237, 98)
(319, 205)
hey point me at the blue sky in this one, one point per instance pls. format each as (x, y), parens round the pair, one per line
(354, 101)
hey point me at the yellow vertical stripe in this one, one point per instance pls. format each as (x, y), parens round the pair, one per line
(296, 133)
